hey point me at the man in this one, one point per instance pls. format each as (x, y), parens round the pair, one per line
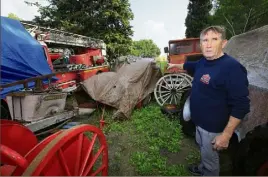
(219, 98)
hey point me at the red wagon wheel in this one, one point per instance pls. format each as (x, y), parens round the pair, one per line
(14, 135)
(5, 121)
(30, 156)
(80, 151)
(14, 163)
(10, 160)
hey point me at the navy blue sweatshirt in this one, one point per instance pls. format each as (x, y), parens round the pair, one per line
(220, 90)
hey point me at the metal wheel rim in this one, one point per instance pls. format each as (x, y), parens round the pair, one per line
(169, 88)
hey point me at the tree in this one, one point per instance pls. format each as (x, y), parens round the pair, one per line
(240, 16)
(145, 48)
(198, 17)
(102, 19)
(13, 16)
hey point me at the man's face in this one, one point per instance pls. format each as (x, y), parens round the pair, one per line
(212, 45)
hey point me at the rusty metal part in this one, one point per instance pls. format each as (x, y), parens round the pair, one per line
(71, 153)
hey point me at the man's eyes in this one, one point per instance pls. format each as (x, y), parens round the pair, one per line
(214, 39)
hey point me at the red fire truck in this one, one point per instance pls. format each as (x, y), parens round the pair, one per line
(74, 57)
(64, 59)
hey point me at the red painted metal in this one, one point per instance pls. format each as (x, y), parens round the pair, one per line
(30, 156)
(93, 52)
(14, 163)
(65, 77)
(81, 59)
(11, 157)
(72, 152)
(14, 135)
(55, 56)
(6, 170)
(263, 170)
(184, 53)
(102, 121)
(5, 121)
(100, 61)
(84, 75)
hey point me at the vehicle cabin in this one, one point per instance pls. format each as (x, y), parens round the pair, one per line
(181, 50)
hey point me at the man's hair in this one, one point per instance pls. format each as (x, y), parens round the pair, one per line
(216, 29)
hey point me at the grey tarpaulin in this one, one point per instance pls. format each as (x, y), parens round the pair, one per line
(251, 49)
(125, 88)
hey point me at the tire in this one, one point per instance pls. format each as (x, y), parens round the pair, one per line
(5, 114)
(188, 127)
(252, 153)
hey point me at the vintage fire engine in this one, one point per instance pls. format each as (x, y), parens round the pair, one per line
(74, 57)
(34, 96)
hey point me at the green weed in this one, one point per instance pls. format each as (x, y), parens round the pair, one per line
(136, 144)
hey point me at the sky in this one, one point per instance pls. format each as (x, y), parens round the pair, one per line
(159, 20)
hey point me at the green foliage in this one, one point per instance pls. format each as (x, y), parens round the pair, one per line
(13, 16)
(145, 48)
(149, 132)
(162, 65)
(198, 17)
(107, 20)
(240, 16)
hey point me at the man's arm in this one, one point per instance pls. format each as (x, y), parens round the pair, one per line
(231, 126)
(188, 65)
(180, 66)
(237, 87)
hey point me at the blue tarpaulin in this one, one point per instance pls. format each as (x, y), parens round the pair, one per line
(22, 56)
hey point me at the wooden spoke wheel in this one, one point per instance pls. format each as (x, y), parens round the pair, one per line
(170, 88)
(79, 151)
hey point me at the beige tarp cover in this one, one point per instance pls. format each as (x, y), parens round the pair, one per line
(125, 88)
(251, 49)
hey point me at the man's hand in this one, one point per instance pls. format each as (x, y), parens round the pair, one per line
(221, 142)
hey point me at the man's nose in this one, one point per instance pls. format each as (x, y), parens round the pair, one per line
(209, 43)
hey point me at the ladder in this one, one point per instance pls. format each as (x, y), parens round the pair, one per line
(56, 36)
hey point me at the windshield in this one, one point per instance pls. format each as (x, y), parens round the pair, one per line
(181, 47)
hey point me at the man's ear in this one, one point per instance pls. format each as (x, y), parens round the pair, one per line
(224, 43)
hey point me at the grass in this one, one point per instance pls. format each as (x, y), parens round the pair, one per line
(136, 146)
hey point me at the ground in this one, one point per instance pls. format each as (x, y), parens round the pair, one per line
(148, 144)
